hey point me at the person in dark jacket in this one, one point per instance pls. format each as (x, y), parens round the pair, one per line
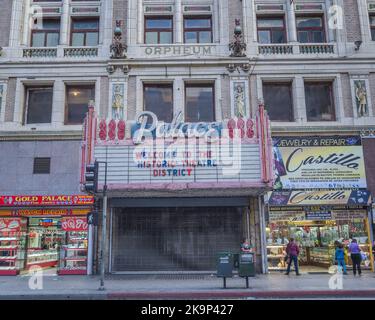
(292, 250)
(355, 254)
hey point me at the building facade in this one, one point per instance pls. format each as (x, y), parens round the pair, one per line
(309, 62)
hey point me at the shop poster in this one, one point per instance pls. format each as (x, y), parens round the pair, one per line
(334, 162)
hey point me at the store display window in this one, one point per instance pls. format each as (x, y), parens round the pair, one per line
(317, 241)
(12, 245)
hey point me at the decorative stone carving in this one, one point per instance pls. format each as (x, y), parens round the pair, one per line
(361, 98)
(239, 99)
(237, 46)
(118, 49)
(118, 98)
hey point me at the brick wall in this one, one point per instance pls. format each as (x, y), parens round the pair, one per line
(347, 97)
(351, 15)
(104, 96)
(226, 105)
(10, 99)
(372, 91)
(369, 155)
(5, 19)
(132, 98)
(120, 12)
(16, 167)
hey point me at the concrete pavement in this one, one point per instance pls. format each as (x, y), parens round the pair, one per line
(187, 287)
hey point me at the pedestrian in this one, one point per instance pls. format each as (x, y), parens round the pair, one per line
(246, 246)
(355, 254)
(292, 250)
(340, 258)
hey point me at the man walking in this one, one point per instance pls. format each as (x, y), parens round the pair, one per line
(292, 250)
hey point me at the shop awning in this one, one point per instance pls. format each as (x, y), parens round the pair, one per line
(360, 197)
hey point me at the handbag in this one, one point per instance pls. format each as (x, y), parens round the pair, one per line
(286, 258)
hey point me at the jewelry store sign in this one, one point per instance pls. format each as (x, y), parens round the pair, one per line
(334, 162)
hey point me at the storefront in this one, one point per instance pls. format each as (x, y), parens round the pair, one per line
(48, 232)
(317, 224)
(320, 197)
(180, 193)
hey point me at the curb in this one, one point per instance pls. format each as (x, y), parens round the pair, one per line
(242, 294)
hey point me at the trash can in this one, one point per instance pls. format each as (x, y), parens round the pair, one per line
(246, 265)
(225, 265)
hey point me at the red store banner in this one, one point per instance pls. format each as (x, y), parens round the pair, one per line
(74, 224)
(48, 200)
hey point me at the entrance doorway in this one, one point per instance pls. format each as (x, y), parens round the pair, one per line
(174, 239)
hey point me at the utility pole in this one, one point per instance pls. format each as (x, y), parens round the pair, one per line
(104, 230)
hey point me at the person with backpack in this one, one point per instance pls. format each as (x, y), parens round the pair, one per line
(292, 251)
(340, 258)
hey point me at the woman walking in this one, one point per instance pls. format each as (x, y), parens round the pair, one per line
(355, 254)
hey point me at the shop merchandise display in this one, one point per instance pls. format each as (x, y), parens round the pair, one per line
(74, 253)
(316, 241)
(12, 244)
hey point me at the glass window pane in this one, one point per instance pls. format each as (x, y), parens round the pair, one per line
(158, 23)
(191, 37)
(151, 38)
(39, 105)
(278, 36)
(77, 100)
(52, 39)
(78, 39)
(278, 101)
(38, 39)
(373, 34)
(318, 36)
(92, 39)
(205, 37)
(165, 37)
(319, 102)
(271, 23)
(309, 22)
(303, 36)
(86, 25)
(264, 36)
(159, 100)
(199, 104)
(198, 23)
(372, 20)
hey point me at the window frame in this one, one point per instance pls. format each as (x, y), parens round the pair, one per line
(158, 30)
(66, 109)
(158, 85)
(270, 29)
(197, 30)
(331, 95)
(84, 31)
(311, 29)
(27, 89)
(372, 26)
(46, 32)
(200, 85)
(282, 83)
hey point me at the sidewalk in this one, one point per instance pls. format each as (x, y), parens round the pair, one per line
(187, 287)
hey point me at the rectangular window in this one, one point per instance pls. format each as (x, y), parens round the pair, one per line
(85, 32)
(198, 29)
(271, 30)
(158, 98)
(158, 30)
(372, 26)
(199, 103)
(39, 105)
(77, 101)
(319, 101)
(278, 101)
(42, 166)
(310, 29)
(47, 35)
